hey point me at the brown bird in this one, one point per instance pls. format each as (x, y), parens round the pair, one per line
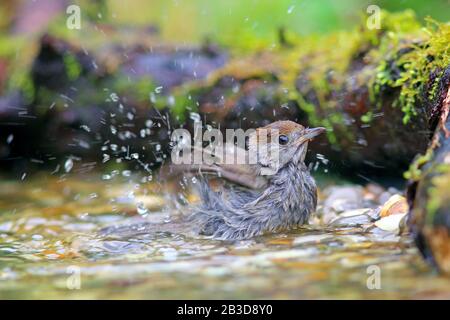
(275, 192)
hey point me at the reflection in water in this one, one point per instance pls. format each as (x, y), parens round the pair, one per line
(50, 227)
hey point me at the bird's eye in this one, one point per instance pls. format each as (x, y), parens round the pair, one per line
(283, 139)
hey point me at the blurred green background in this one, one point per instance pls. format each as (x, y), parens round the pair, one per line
(191, 20)
(223, 21)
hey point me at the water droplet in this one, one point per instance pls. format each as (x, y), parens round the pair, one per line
(85, 128)
(141, 209)
(152, 97)
(169, 253)
(322, 158)
(83, 216)
(10, 138)
(106, 158)
(126, 173)
(114, 97)
(37, 237)
(194, 116)
(68, 165)
(290, 9)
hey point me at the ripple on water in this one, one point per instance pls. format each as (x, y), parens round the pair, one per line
(47, 233)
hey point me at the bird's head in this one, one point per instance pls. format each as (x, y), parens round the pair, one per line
(280, 143)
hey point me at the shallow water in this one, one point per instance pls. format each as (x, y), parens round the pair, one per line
(50, 248)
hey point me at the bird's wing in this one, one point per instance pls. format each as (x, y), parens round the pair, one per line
(246, 175)
(243, 174)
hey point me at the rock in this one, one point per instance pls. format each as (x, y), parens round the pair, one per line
(373, 191)
(343, 198)
(353, 218)
(171, 68)
(395, 205)
(317, 238)
(339, 199)
(390, 223)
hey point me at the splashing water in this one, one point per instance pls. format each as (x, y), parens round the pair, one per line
(68, 165)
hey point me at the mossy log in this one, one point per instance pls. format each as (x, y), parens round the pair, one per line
(374, 90)
(429, 190)
(71, 101)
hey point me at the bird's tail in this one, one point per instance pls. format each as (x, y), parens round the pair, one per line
(208, 215)
(207, 196)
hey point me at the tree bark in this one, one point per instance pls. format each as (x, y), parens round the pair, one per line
(428, 190)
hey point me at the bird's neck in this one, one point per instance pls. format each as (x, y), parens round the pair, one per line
(296, 189)
(292, 173)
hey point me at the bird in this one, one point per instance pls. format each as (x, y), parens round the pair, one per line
(274, 193)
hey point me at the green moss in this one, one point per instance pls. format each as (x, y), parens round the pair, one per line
(9, 45)
(19, 56)
(414, 172)
(434, 87)
(73, 68)
(21, 80)
(138, 90)
(429, 52)
(438, 195)
(183, 103)
(403, 52)
(367, 118)
(324, 62)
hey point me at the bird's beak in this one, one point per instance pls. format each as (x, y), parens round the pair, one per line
(309, 134)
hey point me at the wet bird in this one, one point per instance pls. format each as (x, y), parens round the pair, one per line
(274, 193)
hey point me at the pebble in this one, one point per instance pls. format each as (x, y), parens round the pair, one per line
(353, 218)
(339, 199)
(390, 223)
(396, 204)
(37, 237)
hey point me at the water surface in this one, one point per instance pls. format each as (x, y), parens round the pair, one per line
(50, 248)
